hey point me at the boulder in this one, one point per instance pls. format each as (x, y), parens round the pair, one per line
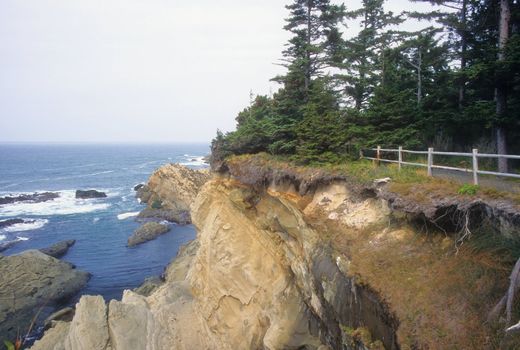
(66, 314)
(87, 194)
(143, 193)
(138, 187)
(147, 232)
(30, 281)
(149, 285)
(181, 217)
(33, 198)
(59, 249)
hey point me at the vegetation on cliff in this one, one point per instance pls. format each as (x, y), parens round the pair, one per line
(434, 87)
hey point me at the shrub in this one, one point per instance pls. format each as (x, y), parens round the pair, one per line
(157, 204)
(468, 189)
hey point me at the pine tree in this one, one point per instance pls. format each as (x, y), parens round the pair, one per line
(314, 28)
(362, 61)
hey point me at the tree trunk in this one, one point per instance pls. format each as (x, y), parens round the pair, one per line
(307, 51)
(463, 49)
(500, 90)
(419, 78)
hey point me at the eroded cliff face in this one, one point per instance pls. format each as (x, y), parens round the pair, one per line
(258, 276)
(275, 267)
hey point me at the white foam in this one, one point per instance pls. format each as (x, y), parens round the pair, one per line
(22, 238)
(26, 226)
(2, 237)
(124, 216)
(194, 160)
(95, 220)
(65, 204)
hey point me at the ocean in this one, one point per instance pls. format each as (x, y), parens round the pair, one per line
(102, 226)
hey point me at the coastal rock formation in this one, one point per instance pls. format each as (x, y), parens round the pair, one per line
(59, 249)
(11, 222)
(298, 261)
(32, 198)
(87, 194)
(256, 277)
(32, 280)
(170, 191)
(147, 232)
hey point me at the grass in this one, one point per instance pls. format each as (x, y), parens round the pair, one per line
(440, 298)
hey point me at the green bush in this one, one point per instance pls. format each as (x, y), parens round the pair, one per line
(468, 189)
(157, 204)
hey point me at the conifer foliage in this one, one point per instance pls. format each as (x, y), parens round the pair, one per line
(456, 80)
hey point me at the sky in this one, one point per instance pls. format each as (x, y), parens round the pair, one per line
(136, 71)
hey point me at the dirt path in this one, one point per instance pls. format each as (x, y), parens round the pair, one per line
(500, 184)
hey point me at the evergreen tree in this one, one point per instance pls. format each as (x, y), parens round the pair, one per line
(362, 61)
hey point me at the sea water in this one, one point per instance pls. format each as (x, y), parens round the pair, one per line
(102, 226)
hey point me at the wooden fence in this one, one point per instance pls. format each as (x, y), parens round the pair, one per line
(430, 153)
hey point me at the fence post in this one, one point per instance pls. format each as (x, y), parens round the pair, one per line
(430, 161)
(400, 157)
(378, 154)
(475, 166)
(361, 153)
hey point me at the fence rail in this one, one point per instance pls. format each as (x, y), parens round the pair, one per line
(474, 155)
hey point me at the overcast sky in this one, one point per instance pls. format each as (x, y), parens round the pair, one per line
(135, 70)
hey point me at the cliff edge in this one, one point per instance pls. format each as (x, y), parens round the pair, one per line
(299, 261)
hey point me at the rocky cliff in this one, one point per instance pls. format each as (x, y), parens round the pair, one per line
(170, 191)
(298, 262)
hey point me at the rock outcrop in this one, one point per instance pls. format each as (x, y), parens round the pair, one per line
(170, 191)
(88, 194)
(37, 197)
(59, 249)
(11, 222)
(32, 280)
(147, 232)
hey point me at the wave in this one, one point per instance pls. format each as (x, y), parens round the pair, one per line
(65, 204)
(143, 165)
(2, 237)
(124, 216)
(26, 226)
(83, 175)
(194, 160)
(19, 238)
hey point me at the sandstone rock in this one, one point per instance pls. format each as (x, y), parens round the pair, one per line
(59, 249)
(30, 280)
(147, 232)
(170, 191)
(89, 327)
(87, 194)
(54, 338)
(33, 198)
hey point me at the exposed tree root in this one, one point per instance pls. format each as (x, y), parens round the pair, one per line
(507, 301)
